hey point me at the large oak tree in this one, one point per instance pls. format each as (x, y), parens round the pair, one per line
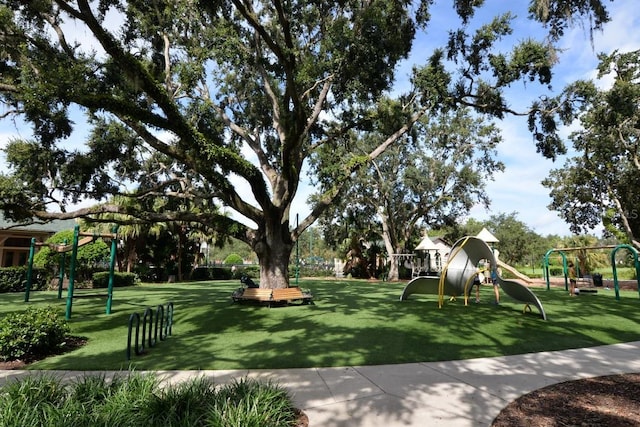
(177, 93)
(599, 184)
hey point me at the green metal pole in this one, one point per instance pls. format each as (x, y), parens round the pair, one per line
(72, 271)
(63, 260)
(27, 287)
(615, 273)
(112, 264)
(565, 269)
(636, 264)
(297, 255)
(546, 267)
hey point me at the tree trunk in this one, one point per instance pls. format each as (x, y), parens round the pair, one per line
(273, 247)
(131, 255)
(181, 240)
(394, 273)
(389, 244)
(274, 269)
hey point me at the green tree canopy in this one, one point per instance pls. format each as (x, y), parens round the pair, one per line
(517, 241)
(89, 256)
(429, 181)
(197, 99)
(518, 244)
(599, 185)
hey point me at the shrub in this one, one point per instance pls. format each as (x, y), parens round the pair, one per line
(101, 279)
(89, 256)
(317, 270)
(252, 271)
(33, 333)
(13, 279)
(249, 402)
(150, 273)
(211, 273)
(556, 271)
(139, 399)
(233, 259)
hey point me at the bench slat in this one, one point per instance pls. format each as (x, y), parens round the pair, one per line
(289, 294)
(256, 294)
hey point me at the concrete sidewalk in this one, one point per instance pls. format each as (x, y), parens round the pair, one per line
(460, 393)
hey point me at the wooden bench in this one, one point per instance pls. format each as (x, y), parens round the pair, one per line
(254, 294)
(272, 295)
(291, 294)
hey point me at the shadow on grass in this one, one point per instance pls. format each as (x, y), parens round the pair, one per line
(351, 323)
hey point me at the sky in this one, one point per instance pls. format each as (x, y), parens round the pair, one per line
(518, 189)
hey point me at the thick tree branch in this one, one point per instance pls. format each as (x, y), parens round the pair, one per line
(61, 37)
(94, 213)
(329, 197)
(397, 134)
(267, 168)
(318, 106)
(4, 87)
(176, 121)
(227, 192)
(249, 14)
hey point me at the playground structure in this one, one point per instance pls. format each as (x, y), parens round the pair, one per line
(431, 258)
(73, 248)
(615, 249)
(457, 276)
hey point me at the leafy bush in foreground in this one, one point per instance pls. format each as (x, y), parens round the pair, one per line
(33, 333)
(140, 400)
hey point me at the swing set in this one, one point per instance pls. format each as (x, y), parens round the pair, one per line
(73, 248)
(615, 248)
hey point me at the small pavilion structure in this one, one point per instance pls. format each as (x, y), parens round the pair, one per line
(430, 258)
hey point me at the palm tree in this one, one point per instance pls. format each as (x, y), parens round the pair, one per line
(132, 232)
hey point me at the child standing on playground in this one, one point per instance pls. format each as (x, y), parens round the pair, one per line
(572, 279)
(494, 280)
(477, 281)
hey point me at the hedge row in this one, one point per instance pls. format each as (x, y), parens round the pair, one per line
(13, 279)
(224, 273)
(101, 279)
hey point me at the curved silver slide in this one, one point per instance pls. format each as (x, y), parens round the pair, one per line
(464, 256)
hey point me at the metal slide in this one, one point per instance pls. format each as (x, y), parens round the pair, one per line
(464, 256)
(514, 272)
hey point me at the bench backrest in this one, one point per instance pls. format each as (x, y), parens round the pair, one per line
(287, 293)
(257, 293)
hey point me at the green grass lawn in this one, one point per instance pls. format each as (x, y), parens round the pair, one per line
(352, 323)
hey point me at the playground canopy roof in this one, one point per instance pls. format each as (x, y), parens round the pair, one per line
(429, 245)
(486, 235)
(426, 244)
